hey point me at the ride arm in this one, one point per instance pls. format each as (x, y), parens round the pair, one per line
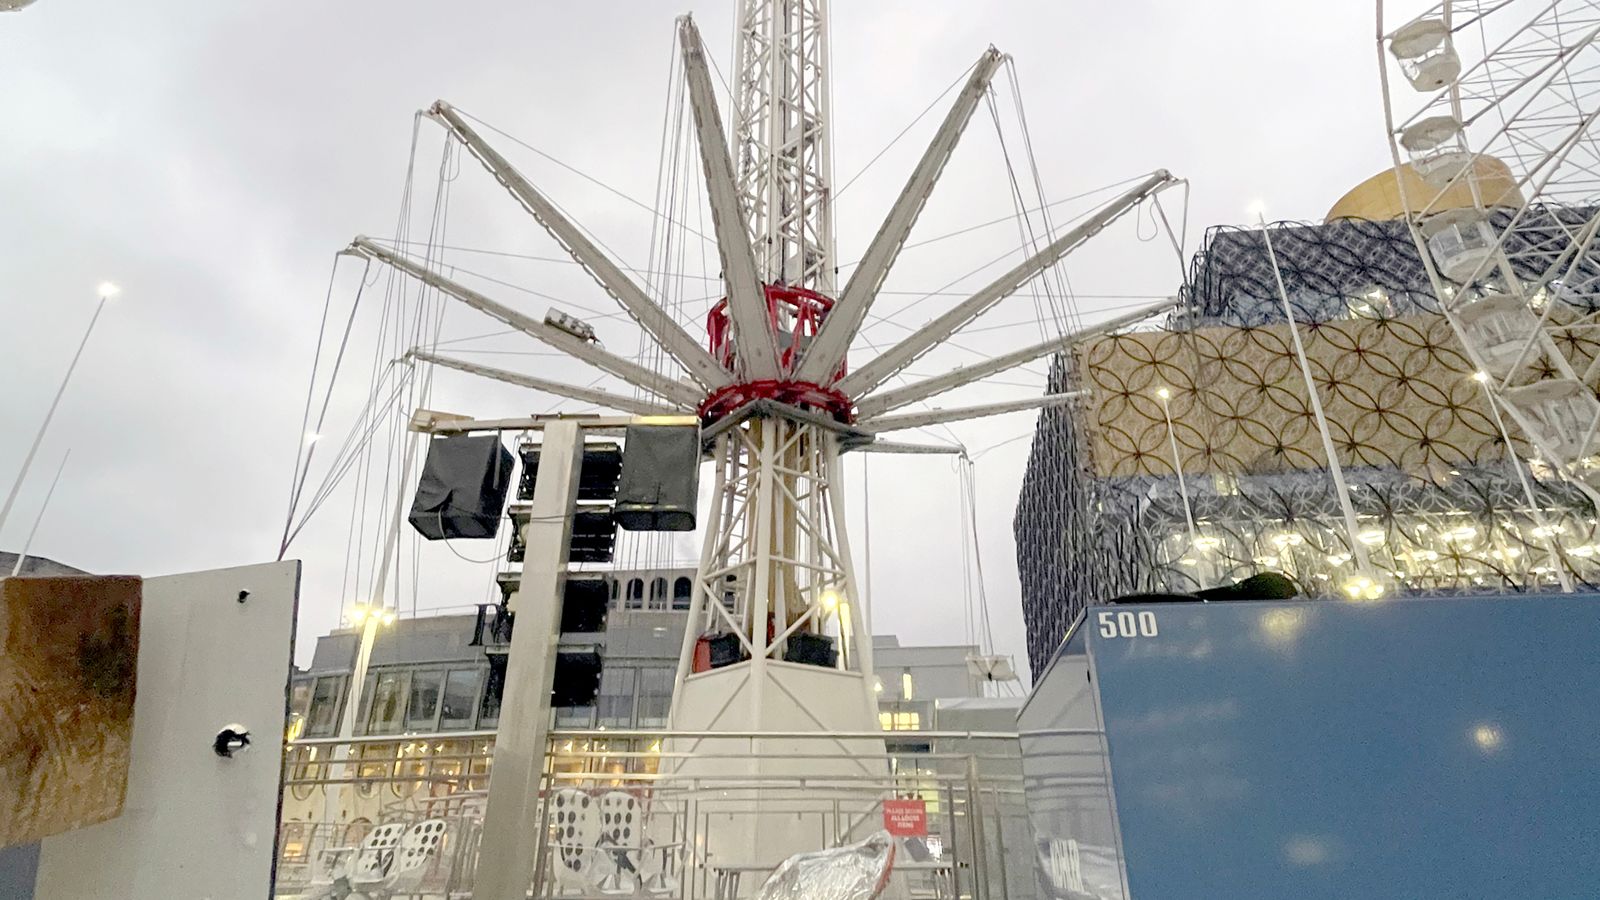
(878, 404)
(651, 317)
(631, 372)
(828, 349)
(747, 299)
(879, 370)
(883, 424)
(596, 396)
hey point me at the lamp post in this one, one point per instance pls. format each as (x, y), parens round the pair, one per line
(107, 291)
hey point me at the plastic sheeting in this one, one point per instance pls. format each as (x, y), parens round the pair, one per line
(854, 872)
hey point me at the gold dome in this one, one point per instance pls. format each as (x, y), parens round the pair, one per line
(1378, 198)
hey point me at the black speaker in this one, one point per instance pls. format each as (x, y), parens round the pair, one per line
(463, 487)
(725, 650)
(584, 603)
(811, 650)
(660, 482)
(577, 679)
(597, 478)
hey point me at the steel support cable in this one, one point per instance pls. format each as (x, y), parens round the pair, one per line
(922, 243)
(965, 73)
(576, 171)
(315, 434)
(364, 473)
(353, 450)
(302, 453)
(1024, 227)
(1059, 272)
(971, 478)
(421, 337)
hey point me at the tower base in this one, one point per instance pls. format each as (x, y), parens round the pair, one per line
(780, 782)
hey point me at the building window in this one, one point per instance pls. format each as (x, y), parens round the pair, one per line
(388, 703)
(900, 721)
(615, 704)
(575, 716)
(460, 692)
(682, 593)
(300, 697)
(658, 594)
(323, 717)
(655, 697)
(612, 584)
(424, 706)
(635, 593)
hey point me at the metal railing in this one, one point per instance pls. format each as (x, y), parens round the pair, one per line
(669, 815)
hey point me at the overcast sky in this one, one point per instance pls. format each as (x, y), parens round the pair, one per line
(211, 158)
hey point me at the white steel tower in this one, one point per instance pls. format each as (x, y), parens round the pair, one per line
(781, 141)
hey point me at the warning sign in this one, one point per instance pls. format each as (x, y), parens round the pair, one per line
(906, 818)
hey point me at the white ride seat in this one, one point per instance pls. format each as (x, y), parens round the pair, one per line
(621, 838)
(418, 850)
(574, 831)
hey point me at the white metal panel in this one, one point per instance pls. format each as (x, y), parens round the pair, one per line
(195, 826)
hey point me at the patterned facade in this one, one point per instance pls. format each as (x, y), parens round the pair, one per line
(1213, 389)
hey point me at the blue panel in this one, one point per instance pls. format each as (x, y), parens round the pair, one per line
(1441, 748)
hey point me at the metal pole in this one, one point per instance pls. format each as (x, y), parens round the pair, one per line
(106, 293)
(506, 855)
(1357, 549)
(21, 557)
(376, 613)
(1556, 563)
(1164, 395)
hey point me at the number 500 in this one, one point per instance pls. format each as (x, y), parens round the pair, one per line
(1126, 624)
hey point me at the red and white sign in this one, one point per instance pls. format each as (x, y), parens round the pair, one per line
(906, 818)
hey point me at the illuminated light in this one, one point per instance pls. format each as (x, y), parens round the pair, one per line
(1480, 377)
(1208, 542)
(1545, 531)
(1463, 533)
(357, 614)
(1257, 210)
(1583, 551)
(1287, 539)
(312, 437)
(1338, 559)
(877, 686)
(1488, 737)
(1362, 587)
(655, 747)
(1372, 537)
(388, 617)
(107, 290)
(1164, 393)
(1506, 552)
(1189, 561)
(830, 600)
(905, 685)
(1265, 561)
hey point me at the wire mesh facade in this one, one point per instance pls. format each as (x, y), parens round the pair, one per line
(1213, 389)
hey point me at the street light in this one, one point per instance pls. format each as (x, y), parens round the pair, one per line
(107, 290)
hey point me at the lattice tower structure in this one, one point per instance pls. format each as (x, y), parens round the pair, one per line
(781, 141)
(1444, 505)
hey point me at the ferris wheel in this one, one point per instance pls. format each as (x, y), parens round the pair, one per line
(1492, 109)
